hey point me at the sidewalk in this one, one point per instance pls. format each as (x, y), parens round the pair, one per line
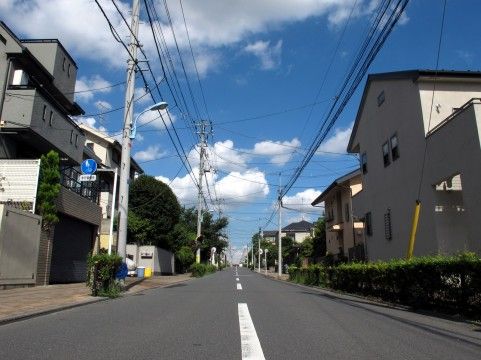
(17, 304)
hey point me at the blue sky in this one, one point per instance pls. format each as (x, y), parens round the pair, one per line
(261, 64)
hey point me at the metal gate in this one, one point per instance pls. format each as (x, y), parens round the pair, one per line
(72, 242)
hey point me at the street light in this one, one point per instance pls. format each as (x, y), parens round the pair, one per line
(133, 126)
(129, 132)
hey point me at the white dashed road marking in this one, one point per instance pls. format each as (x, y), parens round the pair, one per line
(239, 287)
(251, 347)
(236, 279)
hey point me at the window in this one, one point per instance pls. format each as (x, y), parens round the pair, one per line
(364, 163)
(368, 223)
(385, 154)
(394, 147)
(44, 113)
(346, 212)
(68, 70)
(3, 40)
(90, 145)
(380, 98)
(71, 136)
(76, 140)
(50, 119)
(63, 63)
(387, 225)
(20, 78)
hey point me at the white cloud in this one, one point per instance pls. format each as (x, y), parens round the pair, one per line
(269, 56)
(212, 24)
(103, 105)
(151, 153)
(302, 200)
(86, 88)
(91, 122)
(236, 188)
(156, 120)
(141, 96)
(280, 152)
(337, 143)
(226, 157)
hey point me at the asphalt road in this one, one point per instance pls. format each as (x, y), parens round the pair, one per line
(202, 319)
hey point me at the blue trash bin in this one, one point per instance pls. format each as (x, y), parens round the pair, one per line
(140, 271)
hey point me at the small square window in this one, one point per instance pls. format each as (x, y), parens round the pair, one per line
(385, 154)
(394, 147)
(380, 98)
(44, 113)
(364, 163)
(50, 119)
(368, 223)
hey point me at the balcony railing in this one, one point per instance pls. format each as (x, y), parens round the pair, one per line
(87, 189)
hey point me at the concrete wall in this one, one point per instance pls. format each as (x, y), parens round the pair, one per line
(27, 110)
(58, 62)
(462, 156)
(159, 260)
(395, 187)
(19, 243)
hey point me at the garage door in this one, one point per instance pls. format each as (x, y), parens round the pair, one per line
(71, 244)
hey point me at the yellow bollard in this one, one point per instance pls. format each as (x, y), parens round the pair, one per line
(148, 272)
(414, 228)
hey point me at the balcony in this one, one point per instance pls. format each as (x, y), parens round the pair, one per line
(86, 189)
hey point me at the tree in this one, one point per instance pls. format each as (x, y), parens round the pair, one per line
(319, 239)
(185, 257)
(154, 212)
(48, 189)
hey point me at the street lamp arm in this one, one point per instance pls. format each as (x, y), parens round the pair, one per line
(133, 126)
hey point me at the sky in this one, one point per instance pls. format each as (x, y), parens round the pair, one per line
(263, 73)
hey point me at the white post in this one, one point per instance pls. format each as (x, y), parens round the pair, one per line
(265, 259)
(259, 244)
(112, 212)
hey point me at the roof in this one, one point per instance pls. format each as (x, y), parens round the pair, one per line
(301, 226)
(334, 184)
(406, 74)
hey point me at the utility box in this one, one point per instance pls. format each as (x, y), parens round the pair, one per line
(19, 242)
(159, 260)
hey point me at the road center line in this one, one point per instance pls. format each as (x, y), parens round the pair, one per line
(251, 347)
(239, 286)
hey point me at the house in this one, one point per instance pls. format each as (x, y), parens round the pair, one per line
(108, 151)
(37, 83)
(298, 231)
(418, 136)
(344, 232)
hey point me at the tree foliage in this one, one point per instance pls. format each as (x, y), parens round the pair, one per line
(48, 189)
(154, 212)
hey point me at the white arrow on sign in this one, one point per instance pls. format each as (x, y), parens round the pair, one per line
(87, 177)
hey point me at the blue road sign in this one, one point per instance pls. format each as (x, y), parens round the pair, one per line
(88, 166)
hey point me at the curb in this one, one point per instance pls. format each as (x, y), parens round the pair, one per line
(369, 301)
(33, 314)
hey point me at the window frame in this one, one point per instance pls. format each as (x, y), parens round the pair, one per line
(364, 163)
(368, 223)
(385, 154)
(394, 150)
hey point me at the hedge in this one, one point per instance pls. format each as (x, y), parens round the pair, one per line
(450, 284)
(199, 270)
(101, 271)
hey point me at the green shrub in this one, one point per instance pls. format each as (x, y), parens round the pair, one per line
(449, 284)
(101, 270)
(199, 270)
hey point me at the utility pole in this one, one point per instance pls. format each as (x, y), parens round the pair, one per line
(202, 131)
(252, 256)
(126, 141)
(279, 261)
